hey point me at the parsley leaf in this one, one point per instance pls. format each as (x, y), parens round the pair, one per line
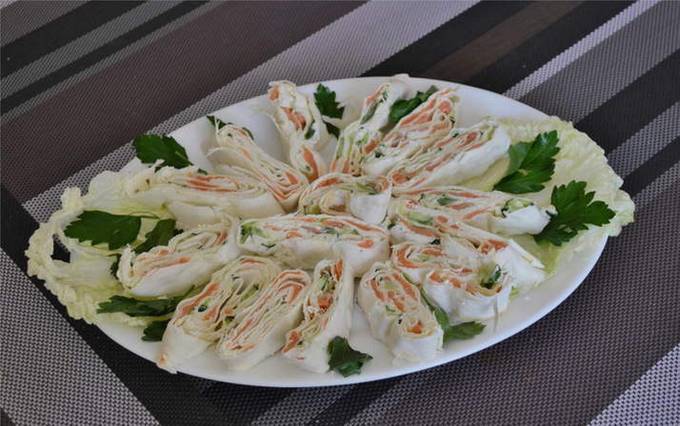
(575, 210)
(249, 229)
(102, 227)
(154, 331)
(140, 308)
(325, 100)
(445, 200)
(329, 107)
(403, 107)
(216, 122)
(366, 187)
(492, 279)
(463, 331)
(114, 266)
(531, 164)
(333, 130)
(310, 131)
(158, 236)
(156, 147)
(344, 359)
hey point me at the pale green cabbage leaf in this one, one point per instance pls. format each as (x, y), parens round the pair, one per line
(581, 159)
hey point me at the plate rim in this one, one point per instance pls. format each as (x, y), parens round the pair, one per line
(595, 252)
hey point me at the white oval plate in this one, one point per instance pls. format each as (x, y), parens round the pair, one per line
(276, 371)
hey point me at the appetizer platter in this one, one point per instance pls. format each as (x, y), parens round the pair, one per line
(335, 233)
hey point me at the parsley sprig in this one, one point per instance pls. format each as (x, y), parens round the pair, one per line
(463, 331)
(161, 233)
(403, 107)
(140, 308)
(118, 230)
(575, 211)
(151, 148)
(531, 164)
(344, 359)
(329, 107)
(102, 227)
(154, 331)
(216, 122)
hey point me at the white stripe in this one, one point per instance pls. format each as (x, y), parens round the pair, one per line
(50, 376)
(301, 406)
(670, 178)
(374, 412)
(312, 59)
(577, 50)
(27, 17)
(108, 61)
(324, 55)
(5, 3)
(646, 142)
(654, 399)
(316, 58)
(82, 46)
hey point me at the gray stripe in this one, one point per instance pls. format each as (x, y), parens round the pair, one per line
(294, 398)
(300, 63)
(302, 406)
(646, 142)
(44, 204)
(324, 55)
(670, 178)
(587, 83)
(50, 375)
(5, 3)
(20, 18)
(653, 400)
(542, 375)
(312, 59)
(108, 61)
(150, 83)
(82, 46)
(584, 45)
(628, 156)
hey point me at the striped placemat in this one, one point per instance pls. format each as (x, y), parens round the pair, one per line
(80, 80)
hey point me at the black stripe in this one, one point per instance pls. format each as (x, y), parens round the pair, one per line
(354, 401)
(542, 47)
(653, 168)
(633, 107)
(4, 418)
(97, 55)
(171, 399)
(243, 404)
(60, 32)
(451, 36)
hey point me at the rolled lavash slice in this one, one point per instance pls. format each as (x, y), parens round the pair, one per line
(463, 154)
(429, 122)
(201, 320)
(327, 313)
(196, 197)
(186, 261)
(235, 147)
(396, 314)
(495, 211)
(363, 197)
(261, 330)
(303, 241)
(361, 137)
(301, 127)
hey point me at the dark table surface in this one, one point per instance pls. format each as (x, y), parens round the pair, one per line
(80, 80)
